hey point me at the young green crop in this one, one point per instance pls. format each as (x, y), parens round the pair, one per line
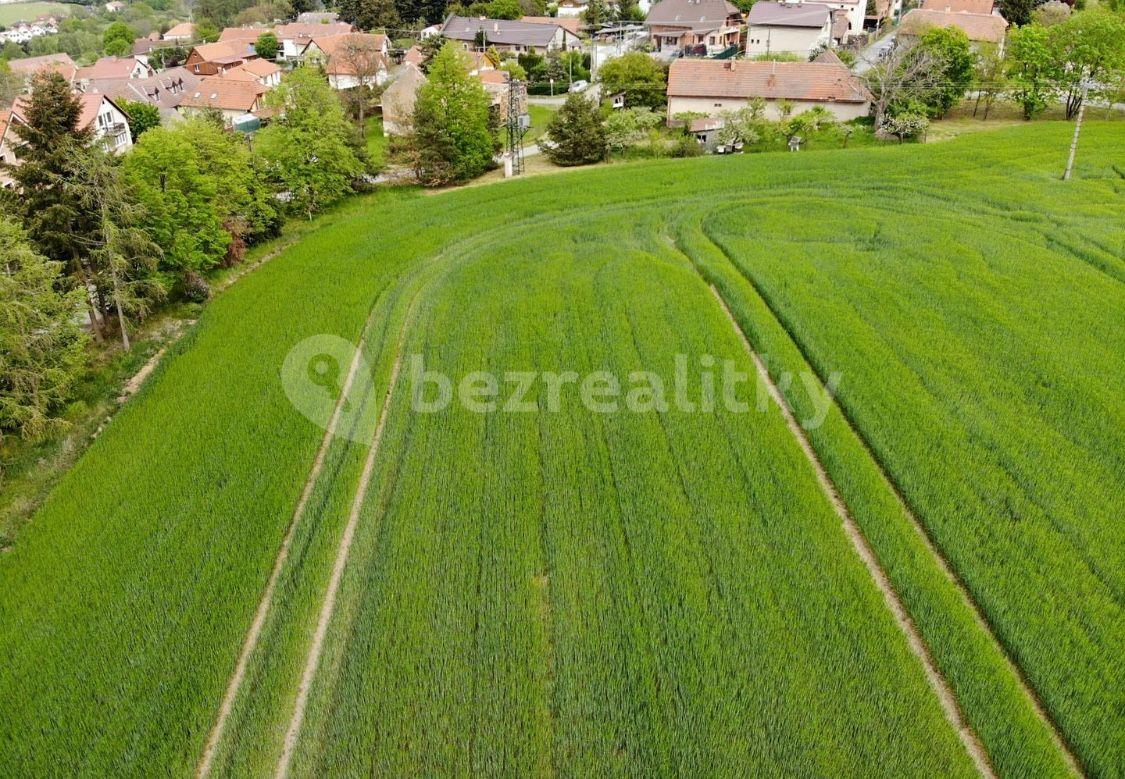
(625, 595)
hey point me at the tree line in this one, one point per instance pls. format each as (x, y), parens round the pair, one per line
(93, 243)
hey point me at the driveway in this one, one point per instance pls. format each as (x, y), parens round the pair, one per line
(871, 54)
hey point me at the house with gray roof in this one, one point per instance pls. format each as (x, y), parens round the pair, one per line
(519, 37)
(694, 26)
(796, 28)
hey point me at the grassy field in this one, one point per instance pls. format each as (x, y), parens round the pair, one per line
(622, 593)
(27, 12)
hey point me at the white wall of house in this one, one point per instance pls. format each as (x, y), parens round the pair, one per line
(773, 39)
(856, 12)
(111, 127)
(714, 106)
(351, 82)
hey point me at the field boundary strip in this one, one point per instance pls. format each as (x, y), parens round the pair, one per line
(894, 604)
(328, 608)
(943, 564)
(250, 642)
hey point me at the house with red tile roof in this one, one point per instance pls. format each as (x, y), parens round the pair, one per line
(263, 72)
(232, 98)
(207, 59)
(350, 60)
(56, 63)
(180, 33)
(959, 6)
(295, 37)
(114, 68)
(707, 25)
(982, 29)
(713, 87)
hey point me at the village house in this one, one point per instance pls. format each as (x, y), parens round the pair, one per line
(184, 32)
(57, 63)
(98, 112)
(250, 34)
(983, 30)
(260, 71)
(164, 90)
(398, 99)
(959, 6)
(350, 60)
(295, 38)
(108, 68)
(713, 87)
(22, 32)
(788, 28)
(573, 25)
(694, 26)
(234, 99)
(208, 59)
(518, 37)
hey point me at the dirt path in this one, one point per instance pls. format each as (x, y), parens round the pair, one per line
(251, 640)
(312, 662)
(851, 529)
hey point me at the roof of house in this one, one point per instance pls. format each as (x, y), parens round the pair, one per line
(225, 51)
(5, 121)
(107, 67)
(90, 104)
(181, 30)
(502, 31)
(258, 68)
(398, 98)
(307, 31)
(569, 23)
(829, 57)
(979, 27)
(58, 63)
(413, 56)
(165, 90)
(242, 33)
(771, 14)
(337, 48)
(225, 94)
(959, 6)
(809, 81)
(693, 14)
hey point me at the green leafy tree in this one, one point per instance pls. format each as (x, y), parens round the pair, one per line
(41, 343)
(267, 46)
(1033, 71)
(1017, 12)
(307, 152)
(504, 9)
(142, 116)
(576, 133)
(179, 200)
(1089, 47)
(598, 12)
(989, 80)
(369, 14)
(452, 138)
(642, 79)
(627, 127)
(206, 30)
(949, 47)
(11, 84)
(117, 40)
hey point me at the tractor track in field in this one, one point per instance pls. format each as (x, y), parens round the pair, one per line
(894, 604)
(943, 564)
(265, 603)
(328, 607)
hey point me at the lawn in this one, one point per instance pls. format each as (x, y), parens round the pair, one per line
(11, 13)
(540, 116)
(376, 142)
(654, 593)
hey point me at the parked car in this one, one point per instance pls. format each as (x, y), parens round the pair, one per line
(578, 86)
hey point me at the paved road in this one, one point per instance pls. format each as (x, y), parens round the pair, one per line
(870, 55)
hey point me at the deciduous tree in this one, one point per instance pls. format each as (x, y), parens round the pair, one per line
(638, 76)
(576, 133)
(307, 151)
(452, 138)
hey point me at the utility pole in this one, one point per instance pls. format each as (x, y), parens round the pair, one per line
(515, 126)
(1077, 129)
